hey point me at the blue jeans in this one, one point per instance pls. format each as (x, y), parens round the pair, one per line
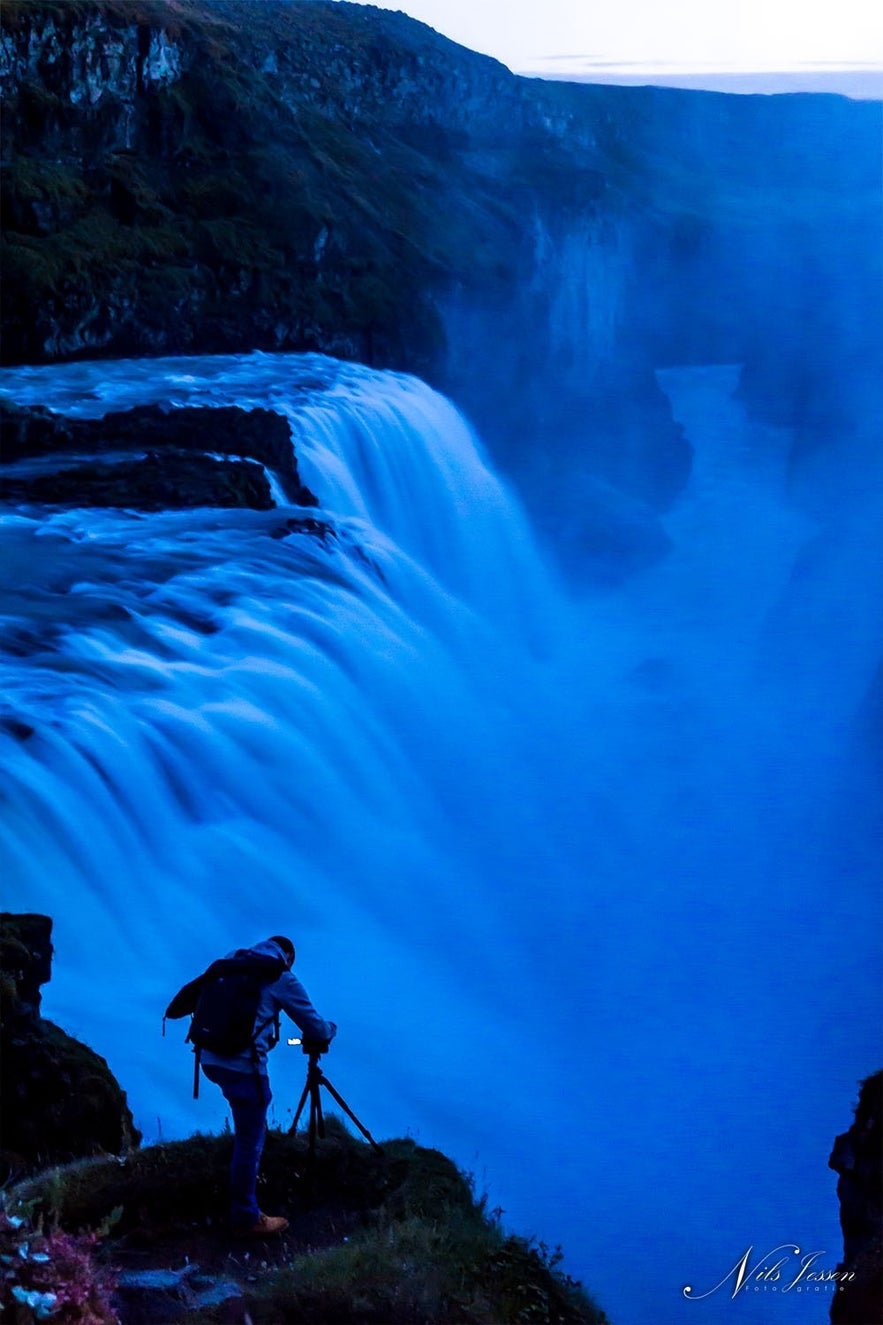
(249, 1095)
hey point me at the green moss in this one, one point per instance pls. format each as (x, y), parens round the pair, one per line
(235, 242)
(55, 182)
(51, 268)
(132, 195)
(173, 16)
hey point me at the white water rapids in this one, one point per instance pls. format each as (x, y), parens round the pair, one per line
(588, 885)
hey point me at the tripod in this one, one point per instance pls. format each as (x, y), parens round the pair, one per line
(316, 1078)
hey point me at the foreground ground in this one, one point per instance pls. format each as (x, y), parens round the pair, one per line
(390, 1238)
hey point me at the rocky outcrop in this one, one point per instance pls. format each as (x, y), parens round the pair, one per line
(59, 1099)
(858, 1158)
(159, 481)
(93, 62)
(184, 464)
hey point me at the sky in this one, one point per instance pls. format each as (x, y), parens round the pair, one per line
(820, 41)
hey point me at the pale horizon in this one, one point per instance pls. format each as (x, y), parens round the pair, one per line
(858, 82)
(787, 45)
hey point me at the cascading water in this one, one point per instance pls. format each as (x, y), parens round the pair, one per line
(580, 881)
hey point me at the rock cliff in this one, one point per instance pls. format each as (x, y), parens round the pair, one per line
(59, 1099)
(207, 175)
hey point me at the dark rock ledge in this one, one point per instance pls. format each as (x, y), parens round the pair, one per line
(186, 463)
(858, 1158)
(59, 1100)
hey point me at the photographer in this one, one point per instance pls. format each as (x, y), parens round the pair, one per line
(244, 1079)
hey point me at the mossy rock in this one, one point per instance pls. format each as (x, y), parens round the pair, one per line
(58, 1098)
(25, 961)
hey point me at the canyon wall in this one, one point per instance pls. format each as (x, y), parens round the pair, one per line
(216, 175)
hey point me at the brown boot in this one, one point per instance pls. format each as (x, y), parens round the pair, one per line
(267, 1226)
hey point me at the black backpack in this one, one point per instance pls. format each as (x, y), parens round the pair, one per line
(223, 1004)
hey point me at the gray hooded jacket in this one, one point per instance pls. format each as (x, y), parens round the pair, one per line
(286, 994)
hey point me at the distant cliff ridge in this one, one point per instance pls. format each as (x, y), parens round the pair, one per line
(220, 175)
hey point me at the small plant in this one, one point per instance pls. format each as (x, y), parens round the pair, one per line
(52, 1276)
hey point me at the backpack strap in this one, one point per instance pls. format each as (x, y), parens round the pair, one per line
(260, 1027)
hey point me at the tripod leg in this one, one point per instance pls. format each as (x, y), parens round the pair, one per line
(315, 1109)
(335, 1095)
(315, 1113)
(299, 1110)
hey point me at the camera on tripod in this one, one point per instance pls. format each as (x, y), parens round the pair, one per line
(313, 1048)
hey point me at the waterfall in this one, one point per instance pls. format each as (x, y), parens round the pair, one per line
(582, 913)
(233, 731)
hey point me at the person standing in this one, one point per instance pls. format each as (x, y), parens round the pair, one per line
(258, 980)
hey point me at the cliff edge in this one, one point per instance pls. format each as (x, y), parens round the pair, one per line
(858, 1158)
